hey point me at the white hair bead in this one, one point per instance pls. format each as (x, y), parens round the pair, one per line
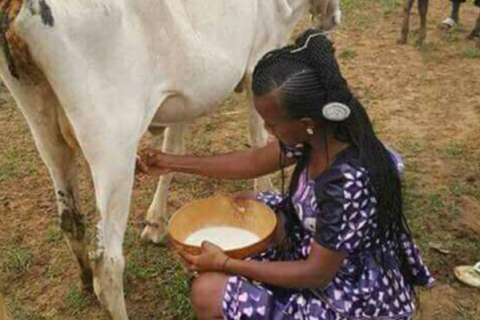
(336, 111)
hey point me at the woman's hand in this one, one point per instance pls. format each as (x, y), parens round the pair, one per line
(212, 259)
(152, 162)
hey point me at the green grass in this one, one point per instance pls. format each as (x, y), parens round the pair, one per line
(17, 260)
(411, 146)
(54, 235)
(159, 266)
(436, 202)
(348, 54)
(14, 164)
(471, 53)
(451, 36)
(356, 13)
(10, 164)
(363, 20)
(362, 14)
(75, 301)
(175, 285)
(20, 313)
(452, 150)
(55, 270)
(139, 269)
(389, 6)
(350, 6)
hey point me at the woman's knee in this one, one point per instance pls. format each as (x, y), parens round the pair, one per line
(207, 295)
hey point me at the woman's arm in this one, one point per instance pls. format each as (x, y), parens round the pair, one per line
(247, 164)
(316, 272)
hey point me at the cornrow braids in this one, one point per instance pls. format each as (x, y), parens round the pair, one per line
(306, 77)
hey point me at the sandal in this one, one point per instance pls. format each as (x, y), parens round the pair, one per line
(448, 23)
(469, 275)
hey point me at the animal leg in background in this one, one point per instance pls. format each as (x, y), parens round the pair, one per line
(423, 10)
(407, 11)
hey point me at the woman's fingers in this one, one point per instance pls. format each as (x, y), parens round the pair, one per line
(189, 261)
(189, 258)
(208, 246)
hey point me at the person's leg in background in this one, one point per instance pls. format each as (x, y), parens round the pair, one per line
(454, 17)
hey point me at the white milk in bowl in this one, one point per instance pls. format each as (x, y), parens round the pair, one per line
(227, 238)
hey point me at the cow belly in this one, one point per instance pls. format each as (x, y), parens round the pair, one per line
(175, 109)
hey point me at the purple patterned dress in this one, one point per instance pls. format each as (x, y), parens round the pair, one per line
(337, 210)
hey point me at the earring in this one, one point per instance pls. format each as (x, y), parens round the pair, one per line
(310, 131)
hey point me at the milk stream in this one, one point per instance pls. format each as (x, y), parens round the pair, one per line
(227, 238)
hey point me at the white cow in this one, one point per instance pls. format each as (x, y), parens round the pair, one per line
(92, 76)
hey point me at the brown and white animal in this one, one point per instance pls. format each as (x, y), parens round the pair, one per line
(91, 77)
(423, 10)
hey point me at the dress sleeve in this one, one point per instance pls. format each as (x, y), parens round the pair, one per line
(397, 159)
(346, 209)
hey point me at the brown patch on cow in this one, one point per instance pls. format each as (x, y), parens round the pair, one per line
(20, 62)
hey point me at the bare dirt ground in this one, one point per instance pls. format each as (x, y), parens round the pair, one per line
(424, 102)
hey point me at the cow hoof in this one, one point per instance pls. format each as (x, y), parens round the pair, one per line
(153, 234)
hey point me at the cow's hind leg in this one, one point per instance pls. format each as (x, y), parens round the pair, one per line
(407, 10)
(155, 229)
(57, 146)
(423, 11)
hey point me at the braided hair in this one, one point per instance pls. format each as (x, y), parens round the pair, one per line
(306, 76)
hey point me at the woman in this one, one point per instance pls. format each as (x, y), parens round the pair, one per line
(347, 252)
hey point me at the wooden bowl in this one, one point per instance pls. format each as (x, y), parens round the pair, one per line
(221, 211)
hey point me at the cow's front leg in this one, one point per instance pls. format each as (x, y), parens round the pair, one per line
(113, 174)
(157, 215)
